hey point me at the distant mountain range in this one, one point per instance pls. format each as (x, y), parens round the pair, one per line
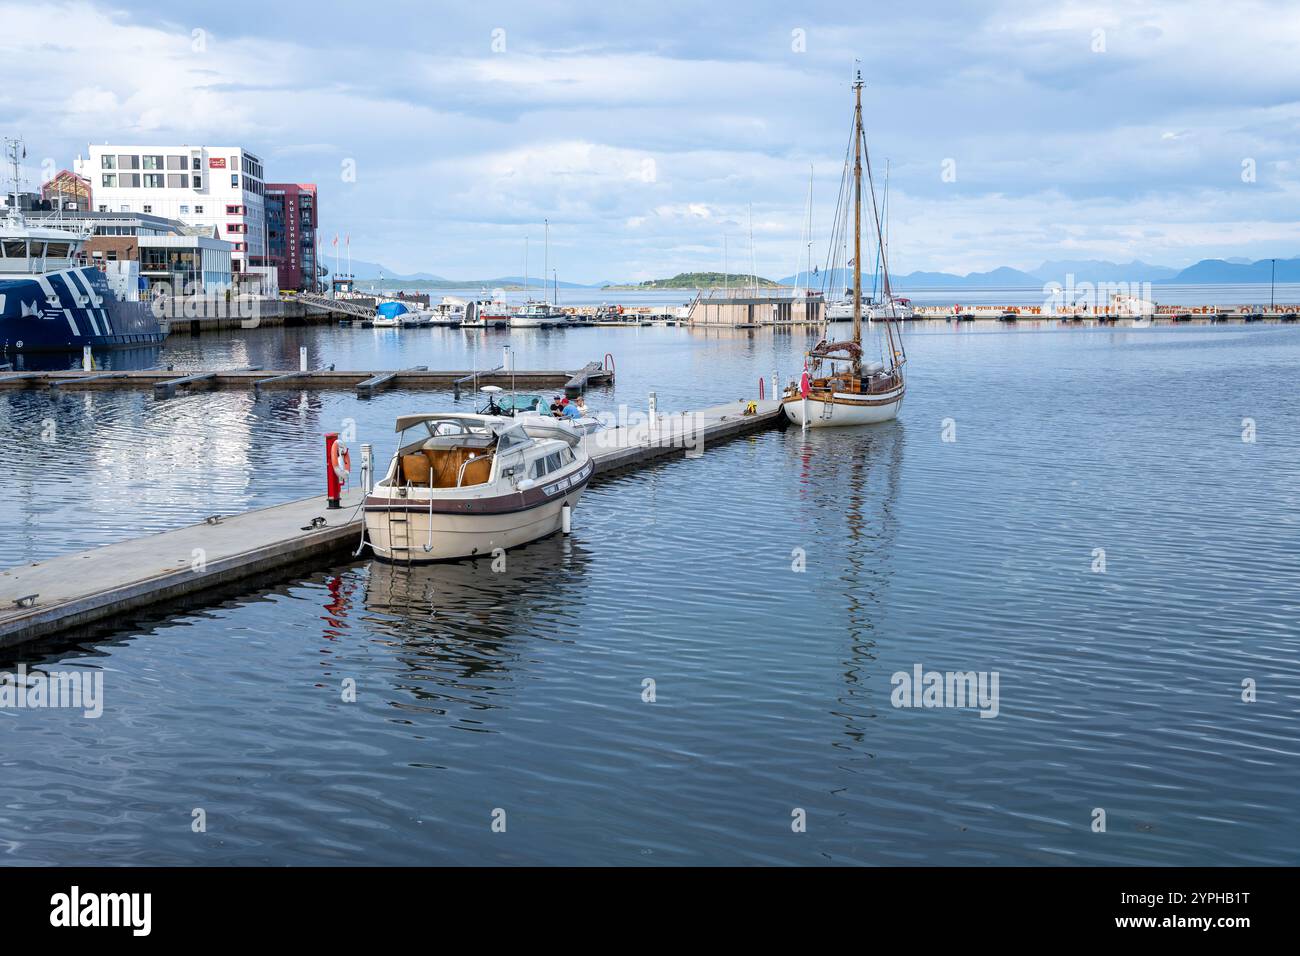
(1205, 272)
(374, 272)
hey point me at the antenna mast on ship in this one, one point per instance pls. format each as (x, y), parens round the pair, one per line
(15, 147)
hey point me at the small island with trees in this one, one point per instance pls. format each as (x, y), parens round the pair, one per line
(702, 280)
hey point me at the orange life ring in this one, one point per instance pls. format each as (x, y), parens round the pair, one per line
(341, 463)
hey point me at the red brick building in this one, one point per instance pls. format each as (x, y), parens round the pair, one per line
(291, 221)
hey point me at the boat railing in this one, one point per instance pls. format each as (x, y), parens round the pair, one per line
(460, 472)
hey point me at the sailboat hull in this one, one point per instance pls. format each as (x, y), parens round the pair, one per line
(842, 409)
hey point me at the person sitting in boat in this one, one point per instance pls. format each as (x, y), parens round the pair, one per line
(556, 411)
(581, 404)
(569, 410)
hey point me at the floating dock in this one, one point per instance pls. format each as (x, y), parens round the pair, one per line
(166, 383)
(74, 590)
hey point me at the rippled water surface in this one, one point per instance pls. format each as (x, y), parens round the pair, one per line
(524, 691)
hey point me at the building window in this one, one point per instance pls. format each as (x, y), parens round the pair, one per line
(178, 180)
(198, 182)
(108, 162)
(128, 162)
(148, 208)
(176, 162)
(234, 210)
(185, 210)
(110, 179)
(234, 227)
(153, 162)
(103, 208)
(198, 210)
(234, 180)
(196, 163)
(153, 180)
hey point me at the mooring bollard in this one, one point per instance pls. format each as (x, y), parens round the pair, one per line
(367, 468)
(302, 358)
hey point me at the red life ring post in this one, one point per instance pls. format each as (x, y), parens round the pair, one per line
(338, 464)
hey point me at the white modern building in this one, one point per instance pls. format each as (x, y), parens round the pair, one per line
(222, 187)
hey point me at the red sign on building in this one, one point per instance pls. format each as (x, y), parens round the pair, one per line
(215, 163)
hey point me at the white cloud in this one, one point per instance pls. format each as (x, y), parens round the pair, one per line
(645, 136)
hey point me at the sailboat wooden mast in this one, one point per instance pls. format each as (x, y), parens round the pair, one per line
(857, 221)
(861, 394)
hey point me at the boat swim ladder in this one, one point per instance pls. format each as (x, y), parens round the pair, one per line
(402, 522)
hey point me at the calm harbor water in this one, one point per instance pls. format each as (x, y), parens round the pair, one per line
(523, 691)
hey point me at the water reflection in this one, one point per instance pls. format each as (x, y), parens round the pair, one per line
(461, 629)
(850, 481)
(114, 360)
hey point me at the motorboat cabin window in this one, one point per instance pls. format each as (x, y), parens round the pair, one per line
(57, 250)
(511, 438)
(544, 466)
(15, 248)
(37, 249)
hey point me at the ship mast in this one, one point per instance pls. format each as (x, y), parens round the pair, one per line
(857, 221)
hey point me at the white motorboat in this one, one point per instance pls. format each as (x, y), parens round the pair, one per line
(853, 393)
(450, 312)
(463, 485)
(517, 405)
(537, 315)
(901, 310)
(416, 319)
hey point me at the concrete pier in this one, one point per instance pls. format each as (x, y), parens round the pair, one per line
(73, 590)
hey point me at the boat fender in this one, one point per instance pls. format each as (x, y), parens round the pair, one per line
(340, 461)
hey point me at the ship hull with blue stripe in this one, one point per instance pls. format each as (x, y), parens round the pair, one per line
(69, 309)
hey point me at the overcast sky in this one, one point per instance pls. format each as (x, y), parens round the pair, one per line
(1161, 131)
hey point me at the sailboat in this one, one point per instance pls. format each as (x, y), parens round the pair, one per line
(851, 392)
(539, 315)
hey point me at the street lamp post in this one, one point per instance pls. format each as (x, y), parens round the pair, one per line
(1272, 276)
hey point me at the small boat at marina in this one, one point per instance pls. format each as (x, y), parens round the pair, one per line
(416, 319)
(450, 312)
(515, 405)
(895, 308)
(537, 315)
(489, 312)
(462, 485)
(851, 392)
(388, 315)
